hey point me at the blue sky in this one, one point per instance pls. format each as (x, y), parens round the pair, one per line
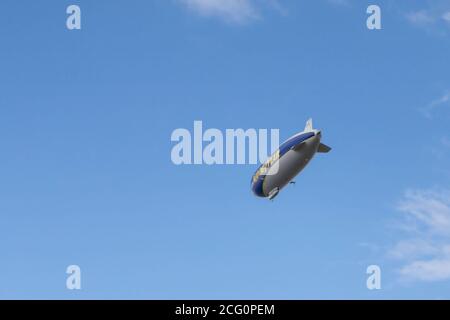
(85, 124)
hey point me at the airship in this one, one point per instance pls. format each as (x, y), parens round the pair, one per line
(287, 162)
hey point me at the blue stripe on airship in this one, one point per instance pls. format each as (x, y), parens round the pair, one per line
(286, 146)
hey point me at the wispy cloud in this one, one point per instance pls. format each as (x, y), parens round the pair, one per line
(412, 248)
(441, 101)
(428, 270)
(232, 11)
(446, 17)
(421, 17)
(429, 210)
(435, 16)
(425, 254)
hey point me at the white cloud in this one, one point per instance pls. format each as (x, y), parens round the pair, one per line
(428, 209)
(431, 270)
(421, 17)
(446, 16)
(437, 103)
(412, 248)
(426, 253)
(433, 17)
(236, 11)
(444, 99)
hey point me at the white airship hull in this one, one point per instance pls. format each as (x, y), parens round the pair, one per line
(287, 162)
(290, 165)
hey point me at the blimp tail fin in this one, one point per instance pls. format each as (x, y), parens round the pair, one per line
(323, 148)
(309, 125)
